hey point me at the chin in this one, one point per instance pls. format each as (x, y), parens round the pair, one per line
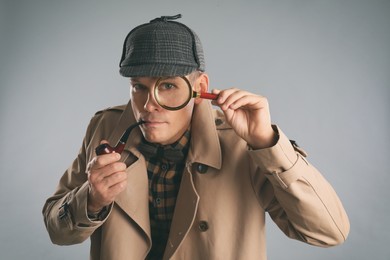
(160, 137)
(154, 139)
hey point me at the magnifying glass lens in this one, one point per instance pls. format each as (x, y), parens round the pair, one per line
(173, 93)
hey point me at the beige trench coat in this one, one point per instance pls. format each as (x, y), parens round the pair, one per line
(220, 211)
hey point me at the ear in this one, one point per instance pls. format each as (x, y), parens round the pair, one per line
(201, 85)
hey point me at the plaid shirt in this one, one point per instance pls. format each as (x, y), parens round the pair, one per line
(164, 182)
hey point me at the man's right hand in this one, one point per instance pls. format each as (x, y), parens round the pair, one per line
(107, 178)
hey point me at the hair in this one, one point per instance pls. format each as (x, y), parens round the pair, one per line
(194, 75)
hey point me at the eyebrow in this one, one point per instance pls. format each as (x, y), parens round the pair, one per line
(169, 77)
(134, 80)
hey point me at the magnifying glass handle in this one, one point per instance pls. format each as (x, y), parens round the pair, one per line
(208, 96)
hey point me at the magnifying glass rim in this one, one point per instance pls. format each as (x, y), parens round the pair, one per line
(190, 93)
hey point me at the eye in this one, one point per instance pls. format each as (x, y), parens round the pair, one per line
(136, 87)
(168, 86)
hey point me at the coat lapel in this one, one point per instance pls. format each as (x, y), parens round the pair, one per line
(205, 149)
(185, 211)
(134, 200)
(125, 120)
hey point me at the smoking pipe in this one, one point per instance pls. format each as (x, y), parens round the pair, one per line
(106, 148)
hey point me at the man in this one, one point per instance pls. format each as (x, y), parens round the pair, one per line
(208, 201)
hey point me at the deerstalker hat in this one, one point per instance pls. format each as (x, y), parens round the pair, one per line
(161, 47)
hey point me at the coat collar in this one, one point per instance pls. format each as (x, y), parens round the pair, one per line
(126, 119)
(205, 147)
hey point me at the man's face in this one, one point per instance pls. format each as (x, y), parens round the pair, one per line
(162, 126)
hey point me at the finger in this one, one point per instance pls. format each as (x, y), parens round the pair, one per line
(250, 101)
(103, 142)
(118, 188)
(215, 91)
(102, 160)
(230, 96)
(100, 175)
(109, 195)
(114, 168)
(106, 159)
(115, 178)
(236, 98)
(224, 94)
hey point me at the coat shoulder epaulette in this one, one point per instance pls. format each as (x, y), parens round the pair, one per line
(119, 109)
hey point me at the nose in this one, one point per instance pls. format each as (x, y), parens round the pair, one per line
(151, 103)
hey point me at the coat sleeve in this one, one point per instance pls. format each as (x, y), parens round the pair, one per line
(65, 213)
(303, 204)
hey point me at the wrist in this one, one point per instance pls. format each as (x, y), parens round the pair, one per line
(92, 206)
(99, 215)
(92, 209)
(265, 140)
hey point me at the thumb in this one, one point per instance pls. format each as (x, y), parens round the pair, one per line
(103, 141)
(215, 91)
(103, 148)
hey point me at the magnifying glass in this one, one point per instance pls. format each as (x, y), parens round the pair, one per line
(174, 93)
(171, 93)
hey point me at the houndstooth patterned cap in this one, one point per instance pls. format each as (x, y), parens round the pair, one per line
(162, 47)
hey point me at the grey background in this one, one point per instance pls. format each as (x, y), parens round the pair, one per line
(324, 65)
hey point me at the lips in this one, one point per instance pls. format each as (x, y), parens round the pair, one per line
(152, 122)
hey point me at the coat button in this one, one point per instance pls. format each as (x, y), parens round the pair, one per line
(201, 168)
(203, 226)
(164, 167)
